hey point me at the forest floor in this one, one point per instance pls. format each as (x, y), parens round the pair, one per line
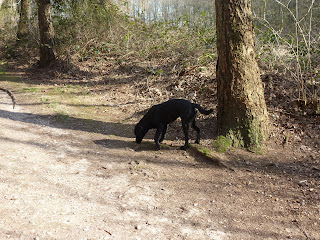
(70, 169)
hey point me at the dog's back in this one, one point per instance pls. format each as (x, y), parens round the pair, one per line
(173, 108)
(170, 110)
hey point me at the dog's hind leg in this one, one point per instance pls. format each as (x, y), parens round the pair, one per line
(195, 127)
(185, 127)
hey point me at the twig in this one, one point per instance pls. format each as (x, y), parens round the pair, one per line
(11, 95)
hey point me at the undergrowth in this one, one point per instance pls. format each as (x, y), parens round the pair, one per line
(97, 30)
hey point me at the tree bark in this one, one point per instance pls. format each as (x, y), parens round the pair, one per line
(242, 113)
(46, 33)
(23, 30)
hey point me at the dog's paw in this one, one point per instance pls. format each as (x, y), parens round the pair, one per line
(183, 147)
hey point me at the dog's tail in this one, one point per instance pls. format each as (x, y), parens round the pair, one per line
(202, 110)
(11, 95)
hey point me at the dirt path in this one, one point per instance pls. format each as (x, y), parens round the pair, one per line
(58, 181)
(68, 184)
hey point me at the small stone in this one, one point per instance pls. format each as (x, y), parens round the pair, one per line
(303, 183)
(86, 229)
(138, 227)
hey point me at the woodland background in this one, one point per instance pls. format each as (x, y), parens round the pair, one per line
(182, 31)
(70, 140)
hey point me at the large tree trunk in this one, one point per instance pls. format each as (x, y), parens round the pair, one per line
(242, 112)
(46, 33)
(23, 31)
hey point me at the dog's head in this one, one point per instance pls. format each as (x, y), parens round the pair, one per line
(140, 132)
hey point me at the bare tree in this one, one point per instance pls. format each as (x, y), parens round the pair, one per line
(46, 33)
(242, 112)
(23, 31)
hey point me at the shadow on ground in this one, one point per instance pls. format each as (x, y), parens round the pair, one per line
(72, 123)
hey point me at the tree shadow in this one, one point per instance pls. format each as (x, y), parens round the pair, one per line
(147, 145)
(65, 72)
(115, 143)
(72, 123)
(270, 163)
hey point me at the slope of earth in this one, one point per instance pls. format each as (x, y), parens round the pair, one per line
(70, 169)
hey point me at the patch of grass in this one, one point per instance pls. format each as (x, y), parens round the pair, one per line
(62, 117)
(259, 151)
(2, 71)
(71, 89)
(53, 104)
(221, 144)
(138, 167)
(30, 89)
(60, 90)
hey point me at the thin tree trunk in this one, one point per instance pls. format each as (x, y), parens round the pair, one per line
(23, 30)
(46, 33)
(242, 112)
(1, 1)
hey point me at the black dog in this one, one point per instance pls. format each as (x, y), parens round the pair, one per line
(159, 116)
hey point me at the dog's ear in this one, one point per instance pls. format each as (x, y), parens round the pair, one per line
(138, 131)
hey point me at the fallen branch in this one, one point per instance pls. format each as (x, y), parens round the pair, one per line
(11, 95)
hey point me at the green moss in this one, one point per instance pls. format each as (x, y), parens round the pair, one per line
(236, 138)
(222, 143)
(256, 137)
(204, 150)
(250, 136)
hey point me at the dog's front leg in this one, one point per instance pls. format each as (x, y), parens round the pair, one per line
(163, 133)
(157, 135)
(185, 127)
